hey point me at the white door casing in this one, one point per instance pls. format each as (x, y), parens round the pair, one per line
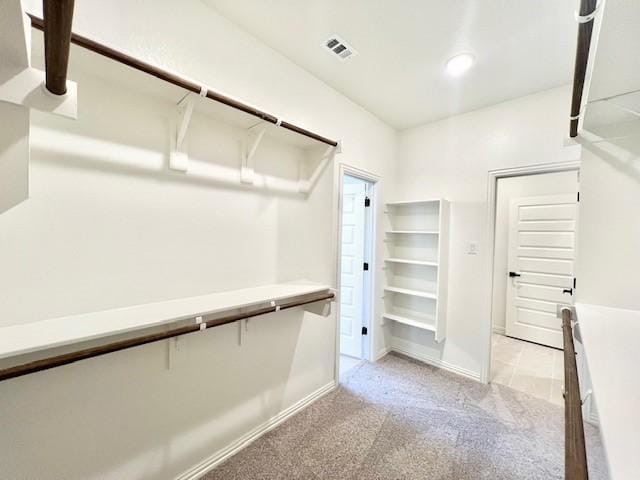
(352, 273)
(542, 232)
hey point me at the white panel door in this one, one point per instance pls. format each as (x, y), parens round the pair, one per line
(542, 233)
(352, 273)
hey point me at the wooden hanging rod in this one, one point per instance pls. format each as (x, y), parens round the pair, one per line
(181, 82)
(58, 15)
(585, 30)
(67, 358)
(575, 456)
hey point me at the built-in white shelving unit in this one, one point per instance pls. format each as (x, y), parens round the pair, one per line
(417, 263)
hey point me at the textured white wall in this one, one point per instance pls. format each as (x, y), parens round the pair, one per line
(107, 225)
(451, 159)
(514, 187)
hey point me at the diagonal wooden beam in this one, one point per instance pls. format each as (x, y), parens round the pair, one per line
(58, 16)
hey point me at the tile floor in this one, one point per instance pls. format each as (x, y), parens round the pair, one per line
(347, 363)
(528, 367)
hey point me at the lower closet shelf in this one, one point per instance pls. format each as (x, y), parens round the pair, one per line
(409, 321)
(47, 334)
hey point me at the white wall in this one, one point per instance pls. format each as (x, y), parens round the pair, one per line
(608, 255)
(451, 159)
(108, 225)
(514, 187)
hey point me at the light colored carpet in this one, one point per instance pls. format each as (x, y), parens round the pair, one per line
(400, 419)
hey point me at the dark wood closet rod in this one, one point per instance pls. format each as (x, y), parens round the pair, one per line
(585, 30)
(575, 455)
(181, 82)
(58, 16)
(67, 358)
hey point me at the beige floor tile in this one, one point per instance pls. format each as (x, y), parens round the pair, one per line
(531, 382)
(558, 365)
(538, 359)
(556, 392)
(507, 352)
(501, 372)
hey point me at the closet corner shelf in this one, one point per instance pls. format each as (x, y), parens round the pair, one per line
(409, 321)
(413, 293)
(411, 262)
(56, 332)
(416, 232)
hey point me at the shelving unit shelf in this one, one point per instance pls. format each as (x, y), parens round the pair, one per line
(417, 264)
(411, 262)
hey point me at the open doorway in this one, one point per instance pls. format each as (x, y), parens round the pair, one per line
(356, 242)
(536, 219)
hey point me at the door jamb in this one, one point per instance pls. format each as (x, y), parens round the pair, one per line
(345, 169)
(492, 183)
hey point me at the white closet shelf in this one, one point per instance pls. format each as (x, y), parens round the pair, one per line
(409, 321)
(413, 293)
(411, 262)
(413, 202)
(56, 332)
(419, 232)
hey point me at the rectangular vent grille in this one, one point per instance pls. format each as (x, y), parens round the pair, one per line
(339, 48)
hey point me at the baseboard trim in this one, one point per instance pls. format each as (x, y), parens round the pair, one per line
(436, 362)
(500, 330)
(220, 456)
(381, 353)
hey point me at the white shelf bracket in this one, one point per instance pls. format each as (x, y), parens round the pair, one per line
(252, 141)
(306, 185)
(178, 156)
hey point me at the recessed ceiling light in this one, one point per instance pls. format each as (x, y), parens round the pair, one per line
(459, 64)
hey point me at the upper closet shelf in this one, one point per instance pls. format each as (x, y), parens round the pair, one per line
(186, 84)
(189, 97)
(56, 332)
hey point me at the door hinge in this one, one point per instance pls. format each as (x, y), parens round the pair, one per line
(367, 202)
(574, 282)
(578, 196)
(364, 330)
(365, 266)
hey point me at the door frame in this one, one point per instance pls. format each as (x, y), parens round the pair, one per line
(368, 287)
(492, 188)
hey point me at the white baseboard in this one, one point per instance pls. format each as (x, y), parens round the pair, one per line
(436, 362)
(381, 353)
(220, 456)
(500, 330)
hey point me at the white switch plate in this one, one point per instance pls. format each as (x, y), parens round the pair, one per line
(473, 248)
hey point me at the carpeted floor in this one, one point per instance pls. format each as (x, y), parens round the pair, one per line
(400, 419)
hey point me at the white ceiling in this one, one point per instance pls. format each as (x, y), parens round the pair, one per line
(521, 46)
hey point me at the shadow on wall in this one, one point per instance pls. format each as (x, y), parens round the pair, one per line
(127, 133)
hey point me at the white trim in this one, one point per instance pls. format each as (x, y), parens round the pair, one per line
(381, 353)
(499, 330)
(345, 169)
(436, 362)
(493, 176)
(220, 456)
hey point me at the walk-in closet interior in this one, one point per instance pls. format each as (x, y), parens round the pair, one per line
(248, 239)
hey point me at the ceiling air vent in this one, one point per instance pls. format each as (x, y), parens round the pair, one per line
(339, 48)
